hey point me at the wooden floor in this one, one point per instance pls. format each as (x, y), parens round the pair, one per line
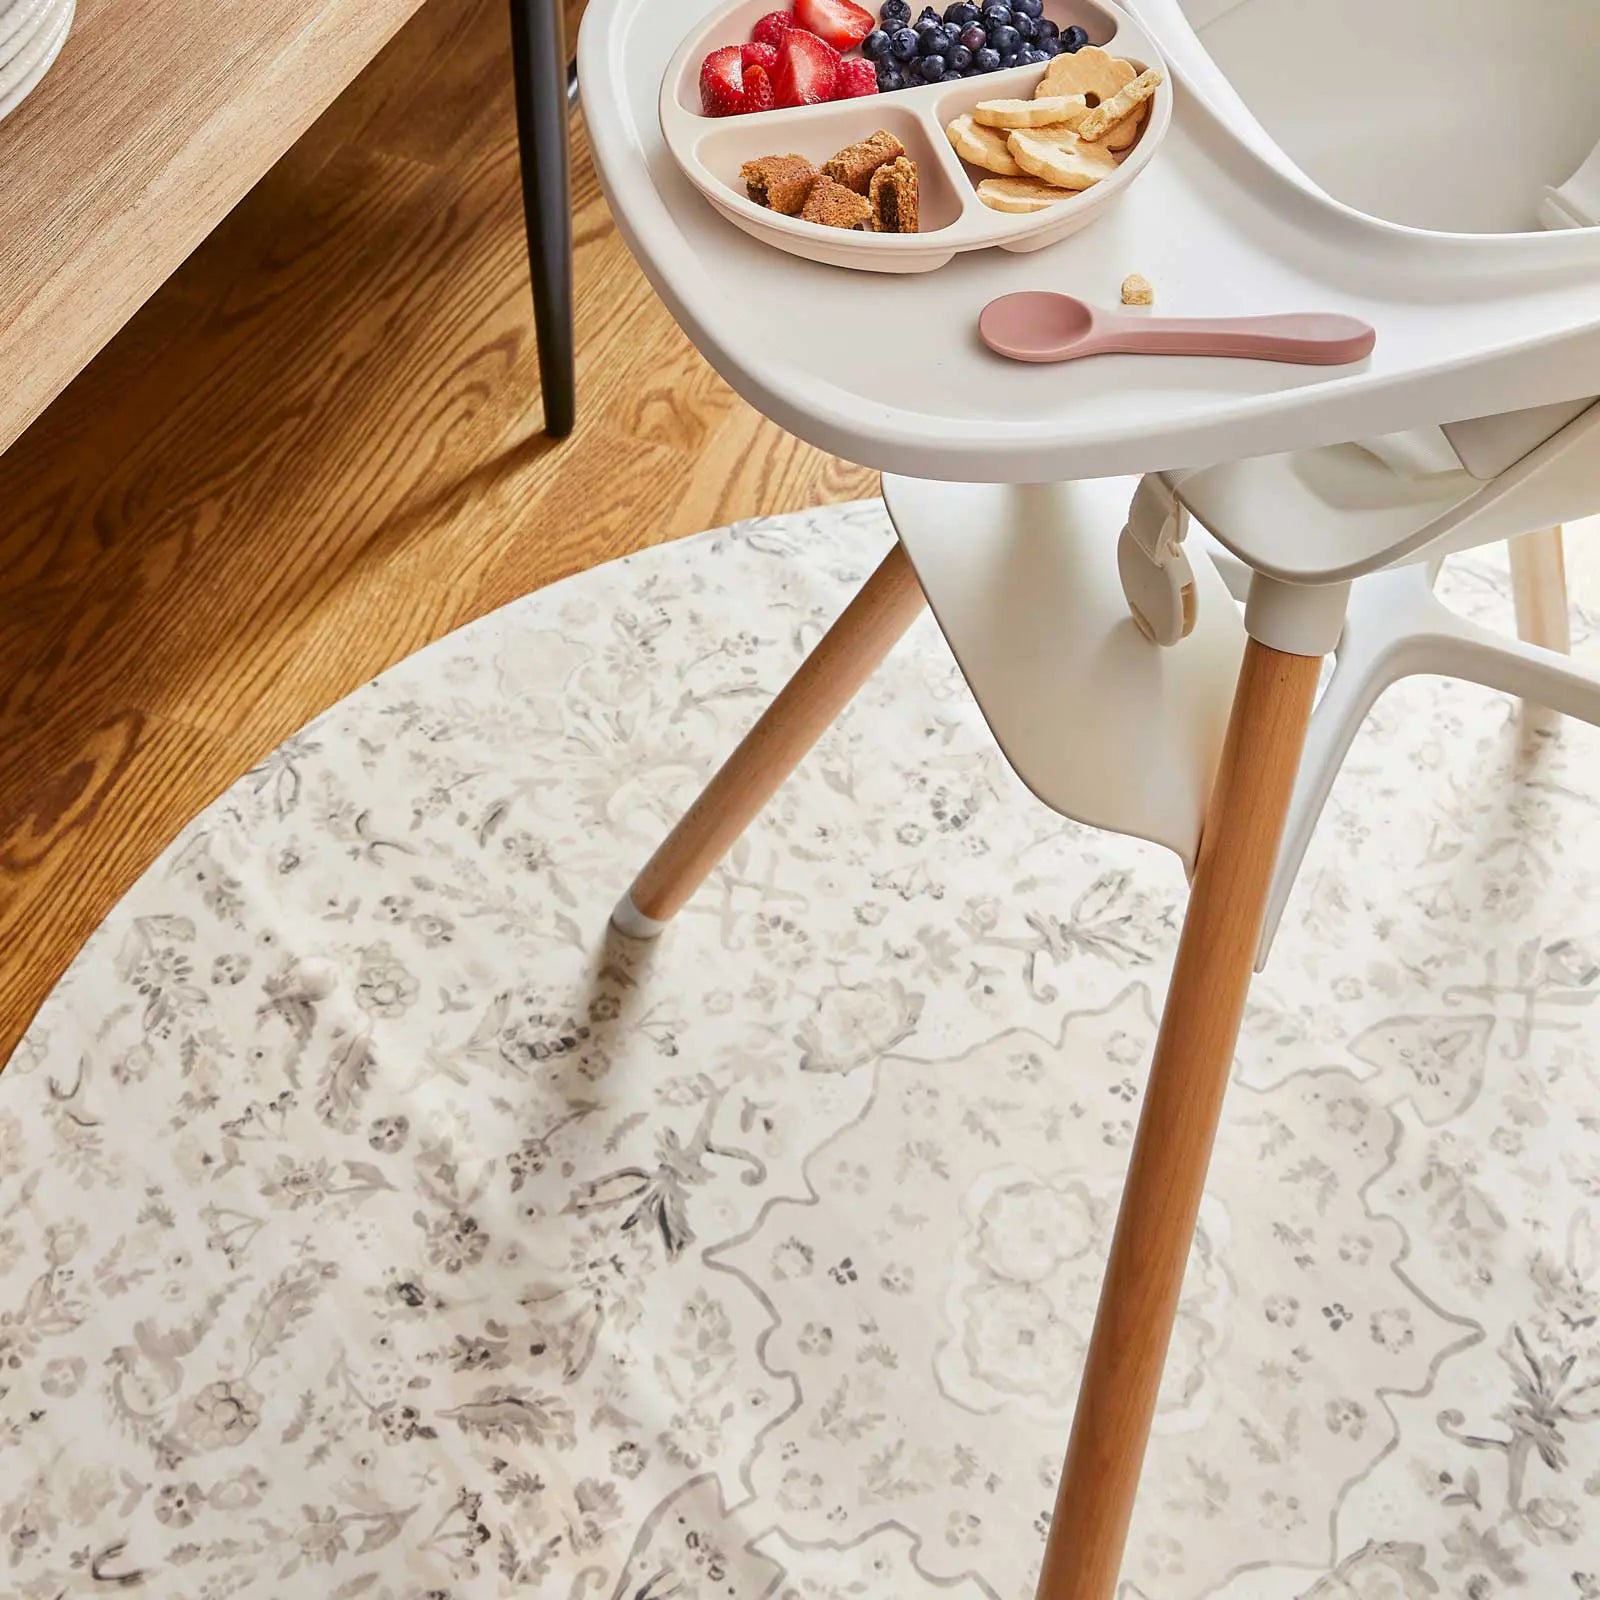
(317, 448)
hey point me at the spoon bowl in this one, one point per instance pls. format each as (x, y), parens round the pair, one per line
(1023, 326)
(1039, 325)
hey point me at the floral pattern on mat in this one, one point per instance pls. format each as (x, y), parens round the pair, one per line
(374, 1225)
(1294, 1323)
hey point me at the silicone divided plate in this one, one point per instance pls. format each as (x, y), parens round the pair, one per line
(710, 150)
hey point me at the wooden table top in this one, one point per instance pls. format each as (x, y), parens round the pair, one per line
(157, 118)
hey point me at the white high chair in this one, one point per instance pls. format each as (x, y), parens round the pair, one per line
(1309, 165)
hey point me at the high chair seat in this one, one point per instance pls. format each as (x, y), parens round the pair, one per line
(1397, 107)
(1332, 514)
(1482, 446)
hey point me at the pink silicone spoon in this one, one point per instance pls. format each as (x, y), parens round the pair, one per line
(1041, 326)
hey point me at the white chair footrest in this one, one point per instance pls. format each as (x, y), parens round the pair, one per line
(1102, 725)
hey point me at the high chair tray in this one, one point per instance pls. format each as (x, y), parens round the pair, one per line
(710, 150)
(888, 370)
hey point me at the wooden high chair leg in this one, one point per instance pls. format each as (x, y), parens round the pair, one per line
(1182, 1104)
(1539, 587)
(844, 658)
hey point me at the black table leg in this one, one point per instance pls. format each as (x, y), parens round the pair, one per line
(539, 61)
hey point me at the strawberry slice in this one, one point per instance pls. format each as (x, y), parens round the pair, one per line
(808, 70)
(840, 23)
(758, 91)
(760, 55)
(772, 27)
(730, 86)
(857, 77)
(722, 82)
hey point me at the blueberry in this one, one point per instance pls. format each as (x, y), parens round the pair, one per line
(961, 13)
(996, 16)
(1010, 61)
(890, 77)
(986, 59)
(932, 68)
(958, 58)
(1048, 48)
(1024, 26)
(894, 11)
(903, 44)
(1027, 8)
(876, 45)
(1006, 40)
(930, 42)
(973, 36)
(1074, 38)
(927, 14)
(1044, 29)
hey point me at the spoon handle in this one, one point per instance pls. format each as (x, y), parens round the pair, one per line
(1316, 338)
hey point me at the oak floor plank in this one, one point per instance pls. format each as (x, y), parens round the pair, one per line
(315, 449)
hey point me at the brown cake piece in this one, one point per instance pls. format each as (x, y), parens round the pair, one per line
(835, 206)
(855, 164)
(780, 183)
(893, 197)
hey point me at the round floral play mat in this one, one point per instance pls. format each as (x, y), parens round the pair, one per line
(372, 1224)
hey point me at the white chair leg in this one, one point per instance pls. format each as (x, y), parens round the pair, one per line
(1386, 613)
(1541, 677)
(1395, 628)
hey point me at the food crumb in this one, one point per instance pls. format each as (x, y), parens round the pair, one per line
(1136, 291)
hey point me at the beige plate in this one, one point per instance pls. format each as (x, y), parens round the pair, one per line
(710, 150)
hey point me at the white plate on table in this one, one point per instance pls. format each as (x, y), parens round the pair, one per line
(21, 21)
(710, 150)
(21, 74)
